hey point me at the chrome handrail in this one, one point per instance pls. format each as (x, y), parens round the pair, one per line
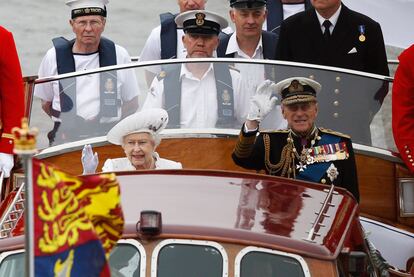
(211, 60)
(5, 230)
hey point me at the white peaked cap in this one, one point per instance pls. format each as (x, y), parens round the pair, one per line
(302, 80)
(207, 16)
(79, 4)
(297, 90)
(151, 121)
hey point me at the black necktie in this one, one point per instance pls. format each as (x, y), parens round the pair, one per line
(326, 33)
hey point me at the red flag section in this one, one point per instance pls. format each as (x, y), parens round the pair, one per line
(77, 221)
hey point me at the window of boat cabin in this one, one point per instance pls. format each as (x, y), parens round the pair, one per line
(188, 258)
(252, 262)
(12, 263)
(127, 259)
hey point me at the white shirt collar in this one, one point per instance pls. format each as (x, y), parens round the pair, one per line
(233, 47)
(189, 75)
(333, 19)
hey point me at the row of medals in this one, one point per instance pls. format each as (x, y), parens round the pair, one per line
(306, 157)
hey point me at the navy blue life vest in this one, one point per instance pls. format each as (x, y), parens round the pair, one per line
(225, 96)
(66, 64)
(168, 36)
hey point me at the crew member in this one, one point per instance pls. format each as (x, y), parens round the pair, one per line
(88, 104)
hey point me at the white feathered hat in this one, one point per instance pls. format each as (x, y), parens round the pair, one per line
(151, 121)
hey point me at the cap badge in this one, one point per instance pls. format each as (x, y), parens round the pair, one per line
(109, 86)
(295, 86)
(87, 10)
(200, 19)
(226, 97)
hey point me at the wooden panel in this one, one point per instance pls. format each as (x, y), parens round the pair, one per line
(377, 187)
(376, 177)
(70, 162)
(322, 268)
(28, 85)
(193, 153)
(201, 153)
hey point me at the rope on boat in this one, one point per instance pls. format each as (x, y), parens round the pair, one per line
(377, 260)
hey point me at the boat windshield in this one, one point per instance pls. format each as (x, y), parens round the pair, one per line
(204, 96)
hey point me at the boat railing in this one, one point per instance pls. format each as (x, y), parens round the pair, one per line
(340, 102)
(12, 214)
(321, 215)
(390, 61)
(211, 60)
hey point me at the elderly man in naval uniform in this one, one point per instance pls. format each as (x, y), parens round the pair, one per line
(199, 95)
(92, 103)
(303, 150)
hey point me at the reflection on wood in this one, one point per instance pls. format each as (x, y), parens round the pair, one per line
(28, 86)
(377, 187)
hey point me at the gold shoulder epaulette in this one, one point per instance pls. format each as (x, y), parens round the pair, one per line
(232, 67)
(275, 131)
(332, 132)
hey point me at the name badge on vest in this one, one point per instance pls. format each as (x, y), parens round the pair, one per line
(226, 102)
(109, 96)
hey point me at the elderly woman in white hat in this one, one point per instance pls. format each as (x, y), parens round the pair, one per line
(138, 135)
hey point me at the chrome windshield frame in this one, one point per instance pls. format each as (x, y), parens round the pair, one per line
(54, 150)
(210, 60)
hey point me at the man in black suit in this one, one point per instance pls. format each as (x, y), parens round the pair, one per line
(352, 40)
(333, 35)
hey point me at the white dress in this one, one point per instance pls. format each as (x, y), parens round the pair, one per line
(123, 164)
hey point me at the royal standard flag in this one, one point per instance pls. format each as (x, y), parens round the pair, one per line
(77, 221)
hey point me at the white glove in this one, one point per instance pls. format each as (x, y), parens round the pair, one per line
(6, 164)
(262, 102)
(89, 160)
